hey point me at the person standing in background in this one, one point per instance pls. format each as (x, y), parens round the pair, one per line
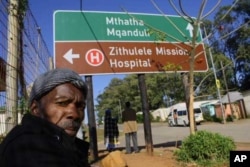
(111, 132)
(130, 128)
(175, 117)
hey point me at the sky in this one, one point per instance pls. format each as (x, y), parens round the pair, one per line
(43, 12)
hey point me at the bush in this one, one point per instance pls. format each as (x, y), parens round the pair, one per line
(139, 118)
(230, 118)
(207, 117)
(216, 119)
(157, 119)
(205, 149)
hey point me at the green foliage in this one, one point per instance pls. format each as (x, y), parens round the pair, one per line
(205, 149)
(23, 105)
(139, 118)
(121, 90)
(19, 10)
(157, 119)
(213, 118)
(216, 119)
(158, 35)
(23, 5)
(207, 117)
(229, 118)
(172, 67)
(236, 45)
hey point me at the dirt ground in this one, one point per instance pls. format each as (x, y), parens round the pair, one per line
(162, 157)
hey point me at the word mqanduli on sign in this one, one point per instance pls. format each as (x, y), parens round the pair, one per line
(113, 21)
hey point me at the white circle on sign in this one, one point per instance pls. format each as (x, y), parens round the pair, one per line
(94, 57)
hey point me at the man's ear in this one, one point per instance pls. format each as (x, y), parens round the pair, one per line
(35, 108)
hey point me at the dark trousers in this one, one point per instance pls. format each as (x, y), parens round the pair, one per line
(175, 121)
(128, 137)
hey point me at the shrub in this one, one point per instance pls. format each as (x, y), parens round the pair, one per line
(157, 119)
(205, 148)
(207, 117)
(216, 119)
(230, 118)
(139, 118)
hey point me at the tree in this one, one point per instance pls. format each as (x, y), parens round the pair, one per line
(111, 98)
(233, 40)
(16, 13)
(188, 80)
(158, 85)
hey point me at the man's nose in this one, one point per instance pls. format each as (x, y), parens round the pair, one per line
(73, 112)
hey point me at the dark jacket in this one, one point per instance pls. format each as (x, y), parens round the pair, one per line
(39, 143)
(110, 127)
(129, 120)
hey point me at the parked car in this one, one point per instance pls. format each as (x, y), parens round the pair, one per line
(178, 115)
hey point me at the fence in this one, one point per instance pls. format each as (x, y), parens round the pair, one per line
(32, 58)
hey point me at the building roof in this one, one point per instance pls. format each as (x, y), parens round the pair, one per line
(234, 96)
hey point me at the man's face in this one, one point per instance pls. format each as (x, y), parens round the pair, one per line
(63, 106)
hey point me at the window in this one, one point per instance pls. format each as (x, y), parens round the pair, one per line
(197, 111)
(170, 114)
(182, 113)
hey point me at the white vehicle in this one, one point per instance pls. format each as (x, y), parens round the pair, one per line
(178, 115)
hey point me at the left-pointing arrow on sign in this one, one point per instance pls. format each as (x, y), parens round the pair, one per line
(69, 56)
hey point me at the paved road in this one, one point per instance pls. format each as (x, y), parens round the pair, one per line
(163, 134)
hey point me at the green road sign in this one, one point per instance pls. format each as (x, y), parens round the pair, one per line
(111, 26)
(94, 43)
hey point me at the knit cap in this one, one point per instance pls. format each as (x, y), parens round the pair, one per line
(53, 78)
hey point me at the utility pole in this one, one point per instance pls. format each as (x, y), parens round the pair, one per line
(218, 89)
(228, 96)
(215, 77)
(12, 61)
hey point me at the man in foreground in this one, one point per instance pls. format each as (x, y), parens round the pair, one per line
(47, 135)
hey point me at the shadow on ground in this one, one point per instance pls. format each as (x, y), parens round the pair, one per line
(102, 153)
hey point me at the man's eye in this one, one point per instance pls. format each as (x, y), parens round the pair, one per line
(80, 106)
(62, 103)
